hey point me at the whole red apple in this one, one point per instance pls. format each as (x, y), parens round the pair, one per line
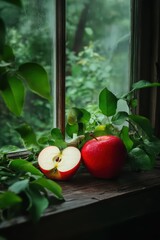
(104, 156)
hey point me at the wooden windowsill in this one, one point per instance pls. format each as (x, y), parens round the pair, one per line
(90, 205)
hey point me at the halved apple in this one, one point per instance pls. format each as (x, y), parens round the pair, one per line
(60, 165)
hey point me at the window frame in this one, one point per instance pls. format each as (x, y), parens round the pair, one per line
(59, 99)
(150, 189)
(145, 57)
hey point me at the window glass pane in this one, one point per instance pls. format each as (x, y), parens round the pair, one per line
(29, 32)
(98, 42)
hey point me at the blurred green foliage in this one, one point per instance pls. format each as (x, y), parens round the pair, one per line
(28, 34)
(98, 38)
(97, 47)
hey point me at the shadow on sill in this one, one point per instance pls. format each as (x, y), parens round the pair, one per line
(126, 208)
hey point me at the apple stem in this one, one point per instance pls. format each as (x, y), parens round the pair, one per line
(92, 135)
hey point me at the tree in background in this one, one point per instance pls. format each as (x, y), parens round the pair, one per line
(98, 34)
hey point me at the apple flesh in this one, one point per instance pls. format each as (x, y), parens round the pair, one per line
(104, 156)
(59, 165)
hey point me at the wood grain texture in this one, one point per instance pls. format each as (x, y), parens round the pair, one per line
(91, 205)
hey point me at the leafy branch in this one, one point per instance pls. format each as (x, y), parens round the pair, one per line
(136, 131)
(24, 189)
(16, 79)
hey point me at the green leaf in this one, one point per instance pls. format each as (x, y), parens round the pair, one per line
(13, 93)
(119, 118)
(76, 70)
(9, 199)
(36, 78)
(143, 123)
(83, 116)
(78, 115)
(58, 138)
(61, 144)
(50, 185)
(4, 64)
(15, 2)
(7, 54)
(89, 31)
(152, 147)
(124, 135)
(72, 116)
(28, 135)
(5, 173)
(57, 134)
(38, 203)
(71, 129)
(140, 160)
(8, 148)
(140, 85)
(107, 129)
(133, 103)
(144, 84)
(81, 128)
(101, 130)
(19, 186)
(20, 165)
(107, 102)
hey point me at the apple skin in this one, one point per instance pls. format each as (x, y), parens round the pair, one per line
(104, 157)
(54, 172)
(62, 176)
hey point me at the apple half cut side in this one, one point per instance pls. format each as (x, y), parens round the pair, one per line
(59, 165)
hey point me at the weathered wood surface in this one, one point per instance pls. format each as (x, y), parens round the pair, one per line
(91, 204)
